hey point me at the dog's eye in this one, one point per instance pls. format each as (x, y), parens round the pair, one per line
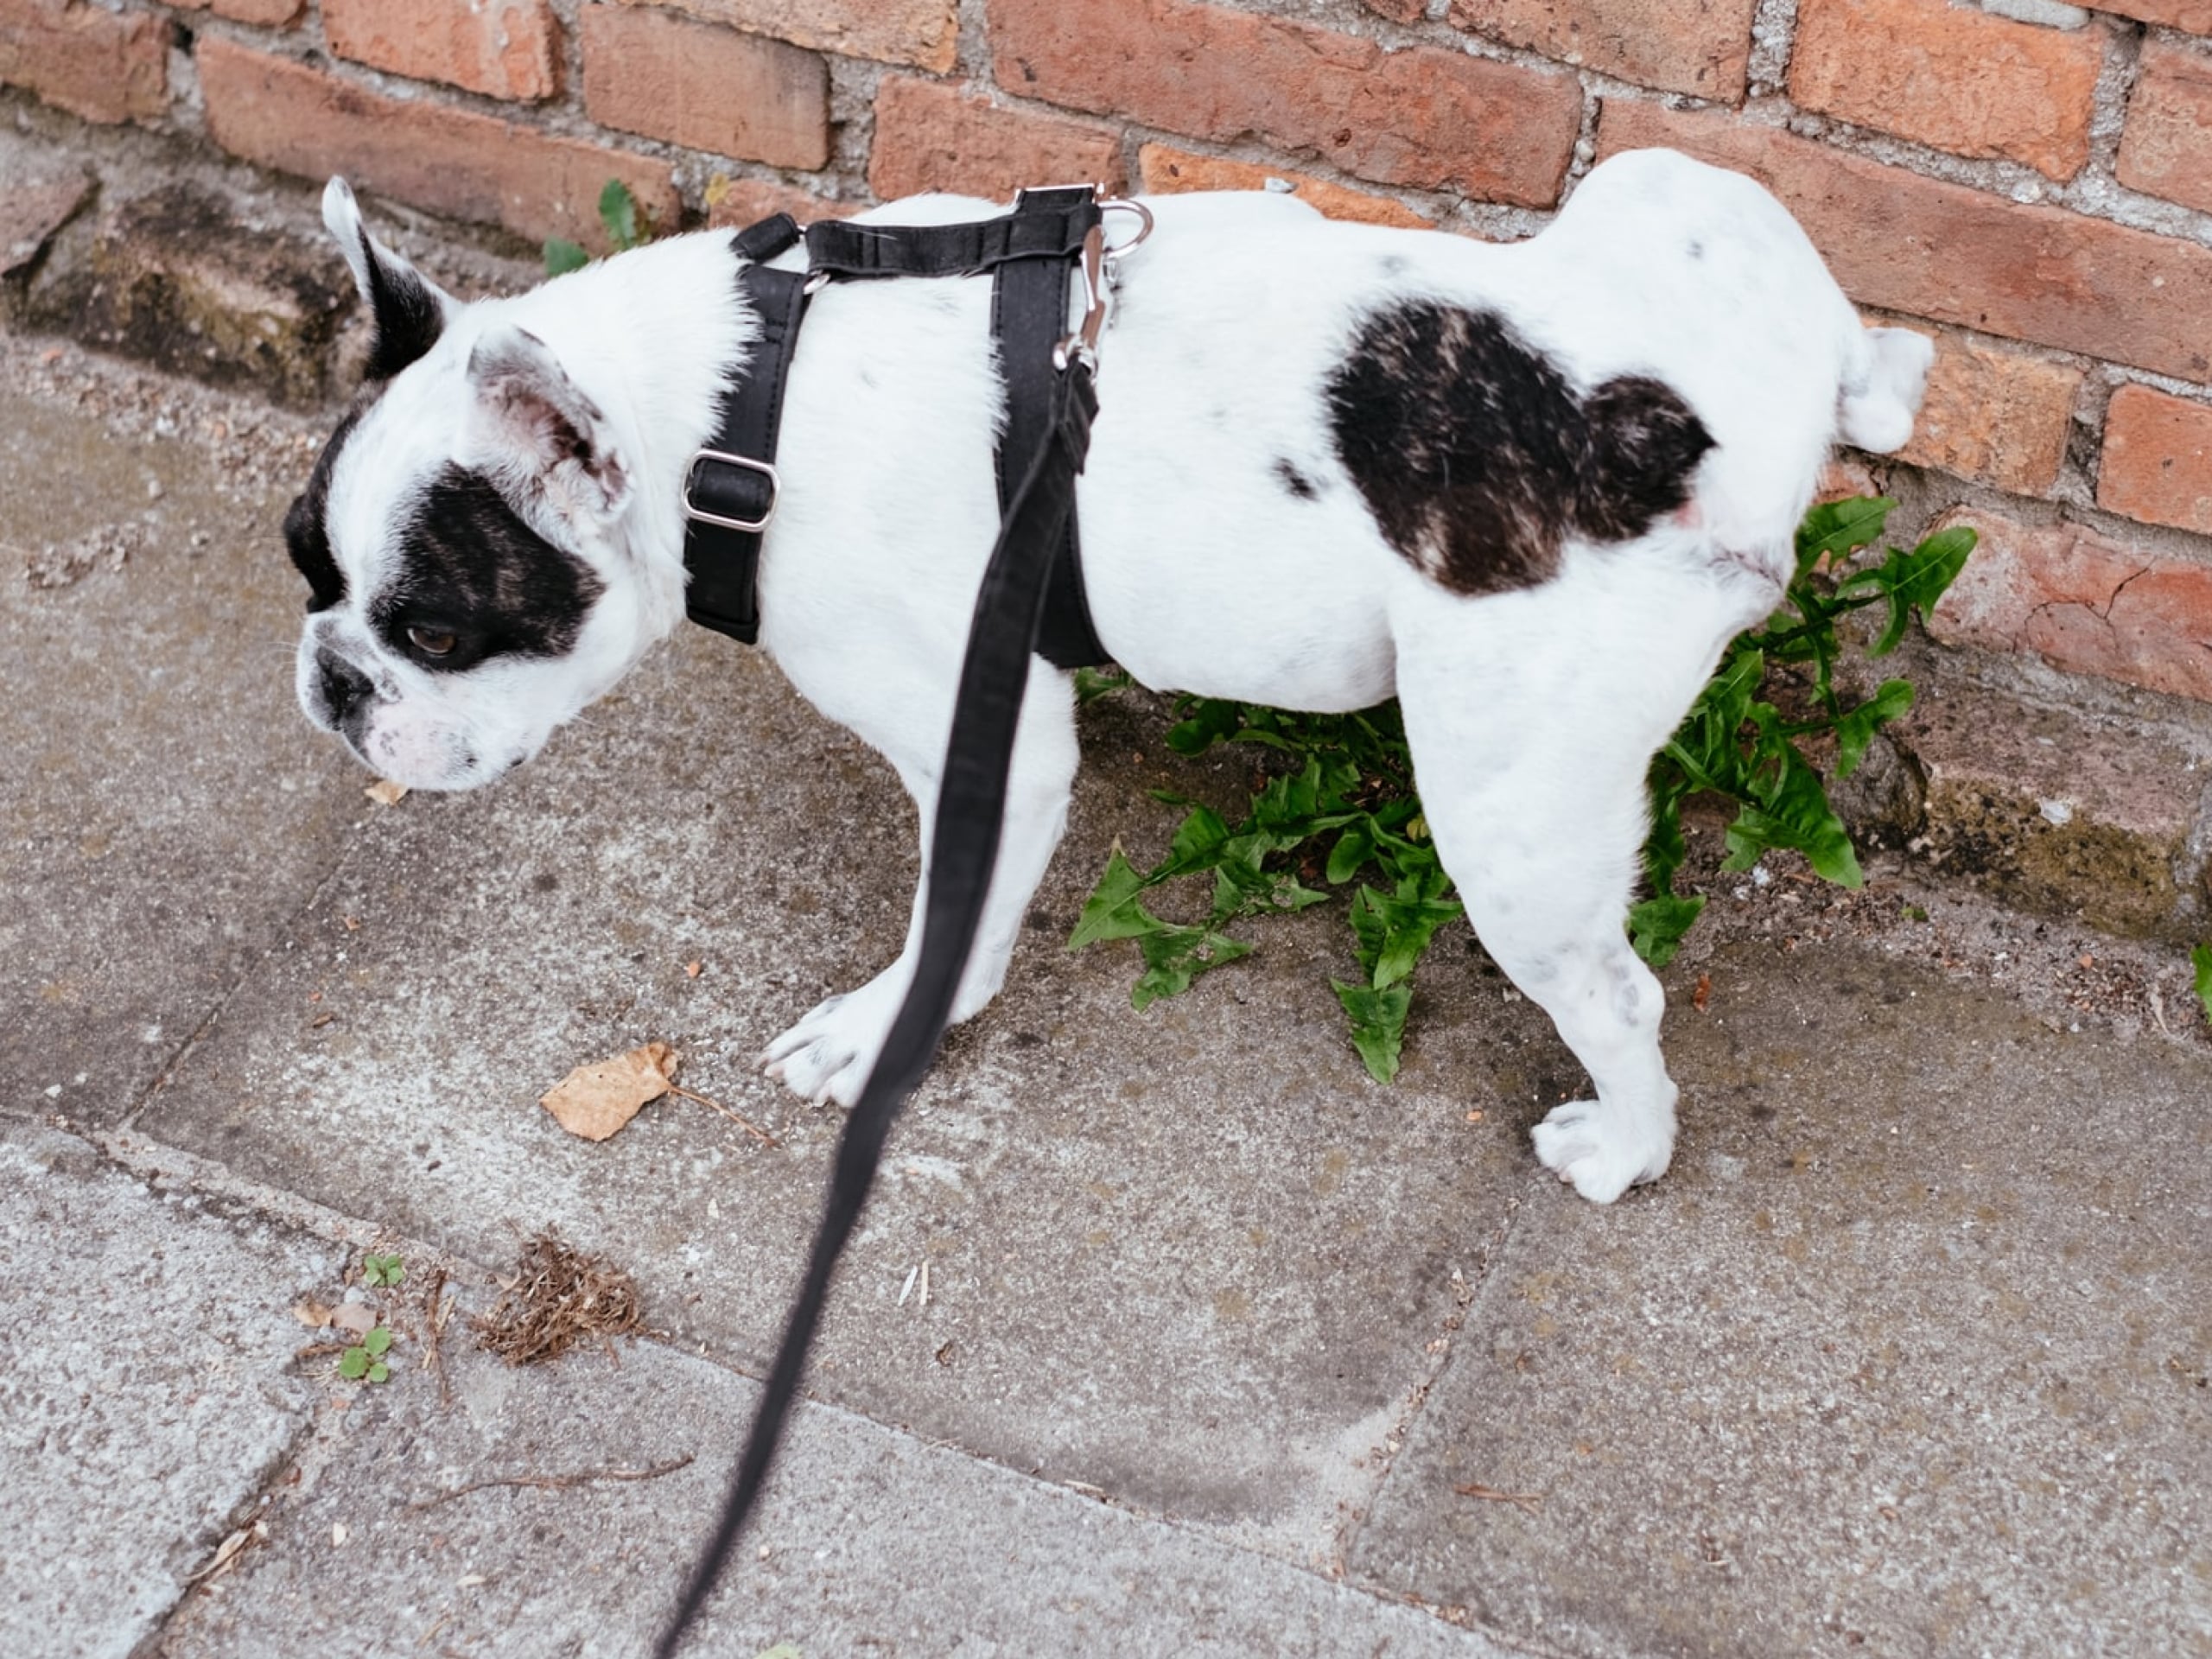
(432, 642)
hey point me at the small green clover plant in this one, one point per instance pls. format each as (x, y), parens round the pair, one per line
(1344, 806)
(384, 1270)
(365, 1357)
(627, 226)
(2201, 959)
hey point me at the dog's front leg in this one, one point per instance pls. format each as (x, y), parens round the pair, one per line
(830, 1053)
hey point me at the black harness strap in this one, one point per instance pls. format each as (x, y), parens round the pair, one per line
(1029, 315)
(733, 483)
(971, 815)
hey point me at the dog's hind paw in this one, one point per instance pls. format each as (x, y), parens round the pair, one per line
(828, 1054)
(1601, 1152)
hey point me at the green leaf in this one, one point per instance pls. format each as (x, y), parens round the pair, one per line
(353, 1363)
(1175, 956)
(1091, 683)
(1856, 729)
(2201, 958)
(377, 1340)
(1353, 849)
(563, 257)
(379, 1372)
(618, 210)
(1656, 927)
(1198, 844)
(1914, 580)
(1834, 528)
(1206, 721)
(1112, 911)
(1378, 1024)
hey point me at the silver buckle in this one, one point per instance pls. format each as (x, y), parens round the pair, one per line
(701, 516)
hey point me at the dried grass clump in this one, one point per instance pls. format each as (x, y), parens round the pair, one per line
(557, 1296)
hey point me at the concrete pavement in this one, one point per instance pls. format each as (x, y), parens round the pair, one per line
(1226, 1346)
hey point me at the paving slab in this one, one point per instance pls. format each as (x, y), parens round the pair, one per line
(408, 1531)
(165, 808)
(1907, 1355)
(1192, 1257)
(148, 1390)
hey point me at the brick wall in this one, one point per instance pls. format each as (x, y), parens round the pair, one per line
(2029, 182)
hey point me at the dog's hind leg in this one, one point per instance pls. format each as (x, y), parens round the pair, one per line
(1532, 720)
(830, 1051)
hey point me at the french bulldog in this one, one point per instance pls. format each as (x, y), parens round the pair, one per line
(1530, 490)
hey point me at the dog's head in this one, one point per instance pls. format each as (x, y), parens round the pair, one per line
(463, 537)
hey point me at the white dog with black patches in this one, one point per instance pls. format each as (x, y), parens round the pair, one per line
(1530, 490)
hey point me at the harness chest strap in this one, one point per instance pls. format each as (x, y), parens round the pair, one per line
(731, 488)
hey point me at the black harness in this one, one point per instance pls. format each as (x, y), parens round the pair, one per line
(730, 493)
(1031, 600)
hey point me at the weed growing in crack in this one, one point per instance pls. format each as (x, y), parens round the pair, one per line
(365, 1357)
(628, 224)
(1344, 805)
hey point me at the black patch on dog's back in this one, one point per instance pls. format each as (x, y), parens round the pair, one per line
(468, 565)
(307, 538)
(1478, 459)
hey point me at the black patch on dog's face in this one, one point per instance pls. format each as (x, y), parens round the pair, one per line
(470, 567)
(307, 538)
(1478, 460)
(1294, 480)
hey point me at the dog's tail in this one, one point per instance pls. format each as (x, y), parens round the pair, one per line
(1885, 376)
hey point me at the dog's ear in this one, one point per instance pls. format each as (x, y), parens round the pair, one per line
(409, 309)
(534, 430)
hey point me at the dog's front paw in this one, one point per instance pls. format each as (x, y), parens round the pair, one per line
(1602, 1151)
(828, 1054)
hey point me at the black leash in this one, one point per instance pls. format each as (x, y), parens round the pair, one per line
(1004, 632)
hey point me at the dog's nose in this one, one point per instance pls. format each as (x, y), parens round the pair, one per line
(345, 688)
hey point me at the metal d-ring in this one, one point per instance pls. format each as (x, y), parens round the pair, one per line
(1126, 205)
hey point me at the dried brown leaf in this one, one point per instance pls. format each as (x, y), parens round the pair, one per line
(595, 1101)
(385, 792)
(311, 1313)
(358, 1316)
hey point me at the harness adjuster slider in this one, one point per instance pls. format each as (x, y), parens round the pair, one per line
(751, 527)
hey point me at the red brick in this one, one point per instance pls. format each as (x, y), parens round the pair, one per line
(1995, 415)
(1952, 78)
(270, 14)
(1904, 242)
(924, 33)
(1168, 171)
(2167, 148)
(103, 66)
(706, 88)
(929, 136)
(2158, 461)
(2084, 602)
(503, 48)
(285, 114)
(1704, 46)
(2195, 15)
(1425, 117)
(732, 204)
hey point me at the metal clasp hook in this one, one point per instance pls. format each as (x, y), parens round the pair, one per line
(1082, 346)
